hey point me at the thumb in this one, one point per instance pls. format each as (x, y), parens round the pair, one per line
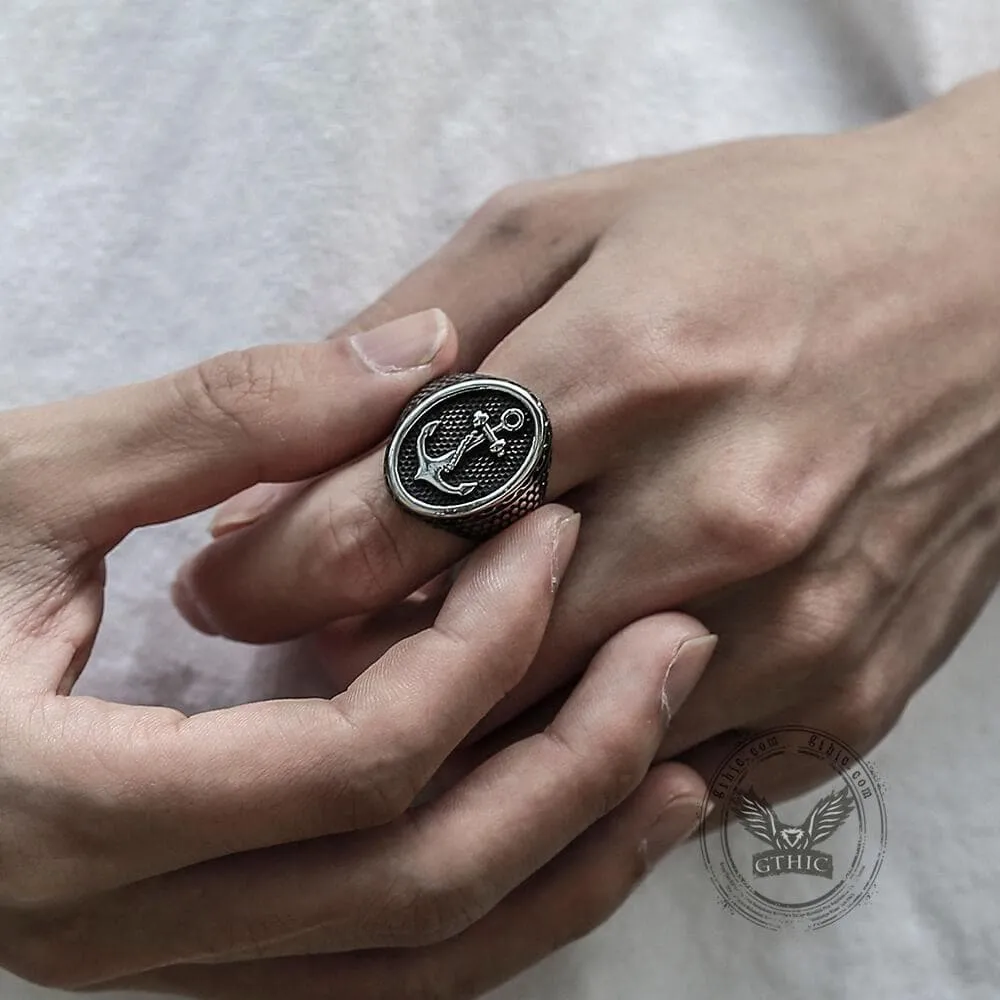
(97, 467)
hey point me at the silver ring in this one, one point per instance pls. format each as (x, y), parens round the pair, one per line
(470, 453)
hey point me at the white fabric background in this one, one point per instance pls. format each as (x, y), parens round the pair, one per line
(178, 178)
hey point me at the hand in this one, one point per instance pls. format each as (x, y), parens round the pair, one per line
(772, 369)
(249, 852)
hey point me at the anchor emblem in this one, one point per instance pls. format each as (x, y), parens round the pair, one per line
(432, 468)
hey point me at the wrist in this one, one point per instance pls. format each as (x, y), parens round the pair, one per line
(957, 139)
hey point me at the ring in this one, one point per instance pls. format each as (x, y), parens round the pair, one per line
(471, 454)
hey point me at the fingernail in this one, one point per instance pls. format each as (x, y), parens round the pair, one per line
(673, 826)
(182, 594)
(566, 533)
(245, 508)
(410, 342)
(683, 672)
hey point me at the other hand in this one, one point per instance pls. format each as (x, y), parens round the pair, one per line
(272, 848)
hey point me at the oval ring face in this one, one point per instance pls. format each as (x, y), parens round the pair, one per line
(466, 446)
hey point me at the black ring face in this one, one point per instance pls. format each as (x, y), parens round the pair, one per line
(467, 451)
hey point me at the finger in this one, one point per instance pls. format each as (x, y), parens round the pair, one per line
(344, 546)
(441, 868)
(183, 790)
(569, 897)
(159, 450)
(505, 261)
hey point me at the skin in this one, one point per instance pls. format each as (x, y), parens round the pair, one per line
(276, 848)
(772, 373)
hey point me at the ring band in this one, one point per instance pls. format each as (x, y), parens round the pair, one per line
(471, 454)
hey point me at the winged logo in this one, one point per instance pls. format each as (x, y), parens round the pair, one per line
(757, 816)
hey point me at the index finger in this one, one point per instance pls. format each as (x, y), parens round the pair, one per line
(96, 467)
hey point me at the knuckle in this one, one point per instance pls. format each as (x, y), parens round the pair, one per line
(446, 900)
(384, 780)
(434, 897)
(384, 794)
(759, 522)
(822, 616)
(866, 711)
(624, 770)
(607, 332)
(624, 369)
(609, 771)
(520, 213)
(357, 544)
(388, 775)
(508, 214)
(442, 911)
(234, 388)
